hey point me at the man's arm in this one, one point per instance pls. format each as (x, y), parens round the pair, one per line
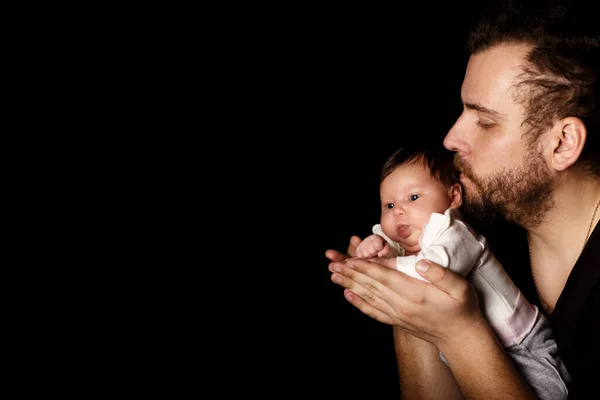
(422, 373)
(445, 312)
(482, 368)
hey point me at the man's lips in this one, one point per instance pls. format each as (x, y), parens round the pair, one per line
(403, 231)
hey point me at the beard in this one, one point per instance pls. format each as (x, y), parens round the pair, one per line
(521, 194)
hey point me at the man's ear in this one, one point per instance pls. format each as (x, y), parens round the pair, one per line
(456, 195)
(567, 139)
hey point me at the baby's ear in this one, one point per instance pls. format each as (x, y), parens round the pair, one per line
(456, 196)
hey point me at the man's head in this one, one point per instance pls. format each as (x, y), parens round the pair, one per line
(415, 183)
(530, 96)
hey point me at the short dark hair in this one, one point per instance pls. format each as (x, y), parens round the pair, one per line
(560, 78)
(437, 159)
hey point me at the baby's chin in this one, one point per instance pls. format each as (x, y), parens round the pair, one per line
(409, 246)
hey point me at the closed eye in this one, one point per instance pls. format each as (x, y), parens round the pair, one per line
(485, 125)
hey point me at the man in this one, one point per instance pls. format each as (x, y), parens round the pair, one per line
(527, 145)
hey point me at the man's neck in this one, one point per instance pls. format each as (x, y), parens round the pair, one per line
(556, 244)
(569, 223)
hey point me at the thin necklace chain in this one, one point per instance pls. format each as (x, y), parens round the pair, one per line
(547, 307)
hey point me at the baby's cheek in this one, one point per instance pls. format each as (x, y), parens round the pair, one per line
(388, 227)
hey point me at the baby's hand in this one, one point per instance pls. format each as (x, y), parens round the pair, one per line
(373, 246)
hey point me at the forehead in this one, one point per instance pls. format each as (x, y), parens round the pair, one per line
(408, 175)
(491, 74)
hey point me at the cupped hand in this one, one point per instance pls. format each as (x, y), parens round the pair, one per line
(335, 255)
(436, 311)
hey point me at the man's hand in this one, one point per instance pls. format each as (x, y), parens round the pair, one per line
(437, 311)
(335, 255)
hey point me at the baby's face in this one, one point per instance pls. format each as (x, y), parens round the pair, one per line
(408, 197)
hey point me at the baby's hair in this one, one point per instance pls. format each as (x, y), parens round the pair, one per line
(439, 160)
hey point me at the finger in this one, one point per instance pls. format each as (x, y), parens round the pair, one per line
(387, 282)
(381, 282)
(391, 263)
(334, 255)
(354, 242)
(355, 269)
(443, 278)
(362, 286)
(366, 308)
(375, 274)
(368, 252)
(362, 252)
(385, 249)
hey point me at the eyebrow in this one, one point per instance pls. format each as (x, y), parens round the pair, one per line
(489, 111)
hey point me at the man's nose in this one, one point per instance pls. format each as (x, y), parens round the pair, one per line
(456, 138)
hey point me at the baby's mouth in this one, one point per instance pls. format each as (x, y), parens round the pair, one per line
(403, 231)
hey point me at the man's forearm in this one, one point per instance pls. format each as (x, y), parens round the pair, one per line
(422, 373)
(481, 367)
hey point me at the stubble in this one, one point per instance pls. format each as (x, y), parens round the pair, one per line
(520, 194)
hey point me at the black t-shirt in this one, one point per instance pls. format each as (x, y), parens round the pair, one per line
(576, 322)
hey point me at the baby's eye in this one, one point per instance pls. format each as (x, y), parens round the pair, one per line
(389, 206)
(413, 197)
